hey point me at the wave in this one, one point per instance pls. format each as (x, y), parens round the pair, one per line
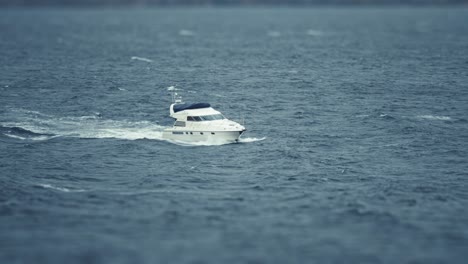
(141, 59)
(432, 117)
(313, 32)
(56, 188)
(186, 33)
(274, 34)
(386, 116)
(23, 134)
(250, 140)
(38, 138)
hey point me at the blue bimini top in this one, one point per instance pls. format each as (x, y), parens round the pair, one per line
(182, 107)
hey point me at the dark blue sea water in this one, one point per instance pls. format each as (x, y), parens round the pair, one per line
(356, 150)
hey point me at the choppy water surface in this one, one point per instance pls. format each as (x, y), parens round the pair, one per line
(356, 149)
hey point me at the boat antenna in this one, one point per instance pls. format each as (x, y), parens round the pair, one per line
(176, 98)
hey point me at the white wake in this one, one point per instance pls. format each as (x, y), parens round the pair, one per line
(250, 140)
(93, 126)
(83, 127)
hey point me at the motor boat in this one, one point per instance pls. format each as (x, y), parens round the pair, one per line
(199, 122)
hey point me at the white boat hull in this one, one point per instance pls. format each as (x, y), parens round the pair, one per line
(200, 123)
(215, 137)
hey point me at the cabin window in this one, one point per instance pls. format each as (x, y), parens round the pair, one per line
(177, 133)
(212, 133)
(205, 118)
(212, 117)
(201, 133)
(179, 123)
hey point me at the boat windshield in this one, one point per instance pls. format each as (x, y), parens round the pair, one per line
(205, 118)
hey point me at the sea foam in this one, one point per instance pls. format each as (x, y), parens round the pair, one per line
(39, 127)
(433, 117)
(141, 59)
(56, 188)
(249, 140)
